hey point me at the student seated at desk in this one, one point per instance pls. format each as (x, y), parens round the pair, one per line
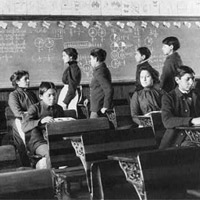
(180, 107)
(149, 98)
(19, 101)
(38, 115)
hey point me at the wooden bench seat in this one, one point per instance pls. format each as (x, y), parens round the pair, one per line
(8, 159)
(27, 184)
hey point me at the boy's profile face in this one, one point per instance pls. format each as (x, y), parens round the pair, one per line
(167, 50)
(186, 82)
(138, 57)
(49, 97)
(93, 61)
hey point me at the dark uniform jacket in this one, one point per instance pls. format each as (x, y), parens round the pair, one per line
(101, 90)
(20, 100)
(171, 64)
(176, 112)
(31, 123)
(71, 77)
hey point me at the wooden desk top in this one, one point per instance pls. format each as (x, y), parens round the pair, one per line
(197, 128)
(124, 156)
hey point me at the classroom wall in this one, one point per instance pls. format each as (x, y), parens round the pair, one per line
(100, 7)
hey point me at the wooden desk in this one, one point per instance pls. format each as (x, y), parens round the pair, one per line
(95, 146)
(60, 148)
(61, 151)
(161, 174)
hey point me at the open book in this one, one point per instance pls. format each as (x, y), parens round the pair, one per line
(146, 120)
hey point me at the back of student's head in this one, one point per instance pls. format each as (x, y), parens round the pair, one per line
(153, 72)
(44, 86)
(182, 70)
(100, 54)
(71, 52)
(172, 41)
(16, 76)
(144, 51)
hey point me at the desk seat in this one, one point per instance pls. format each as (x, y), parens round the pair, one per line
(27, 184)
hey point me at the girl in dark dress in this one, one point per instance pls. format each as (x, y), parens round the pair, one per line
(19, 101)
(69, 94)
(149, 98)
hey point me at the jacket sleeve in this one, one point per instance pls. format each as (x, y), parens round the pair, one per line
(106, 85)
(168, 117)
(31, 119)
(15, 105)
(167, 72)
(74, 77)
(135, 108)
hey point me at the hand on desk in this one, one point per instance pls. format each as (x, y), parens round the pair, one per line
(103, 110)
(195, 121)
(47, 119)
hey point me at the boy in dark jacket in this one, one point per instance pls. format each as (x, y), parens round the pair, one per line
(101, 90)
(172, 62)
(38, 115)
(180, 107)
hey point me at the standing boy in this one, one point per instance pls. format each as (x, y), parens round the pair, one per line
(172, 62)
(180, 107)
(101, 90)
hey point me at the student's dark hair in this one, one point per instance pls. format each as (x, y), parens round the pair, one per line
(16, 76)
(100, 54)
(71, 52)
(172, 41)
(154, 73)
(144, 51)
(182, 70)
(44, 86)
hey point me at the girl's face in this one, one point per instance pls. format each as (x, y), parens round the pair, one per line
(49, 97)
(24, 81)
(146, 79)
(138, 57)
(93, 61)
(167, 50)
(66, 58)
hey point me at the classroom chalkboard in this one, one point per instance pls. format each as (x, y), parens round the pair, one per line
(37, 46)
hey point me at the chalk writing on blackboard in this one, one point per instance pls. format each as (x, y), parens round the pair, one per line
(37, 47)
